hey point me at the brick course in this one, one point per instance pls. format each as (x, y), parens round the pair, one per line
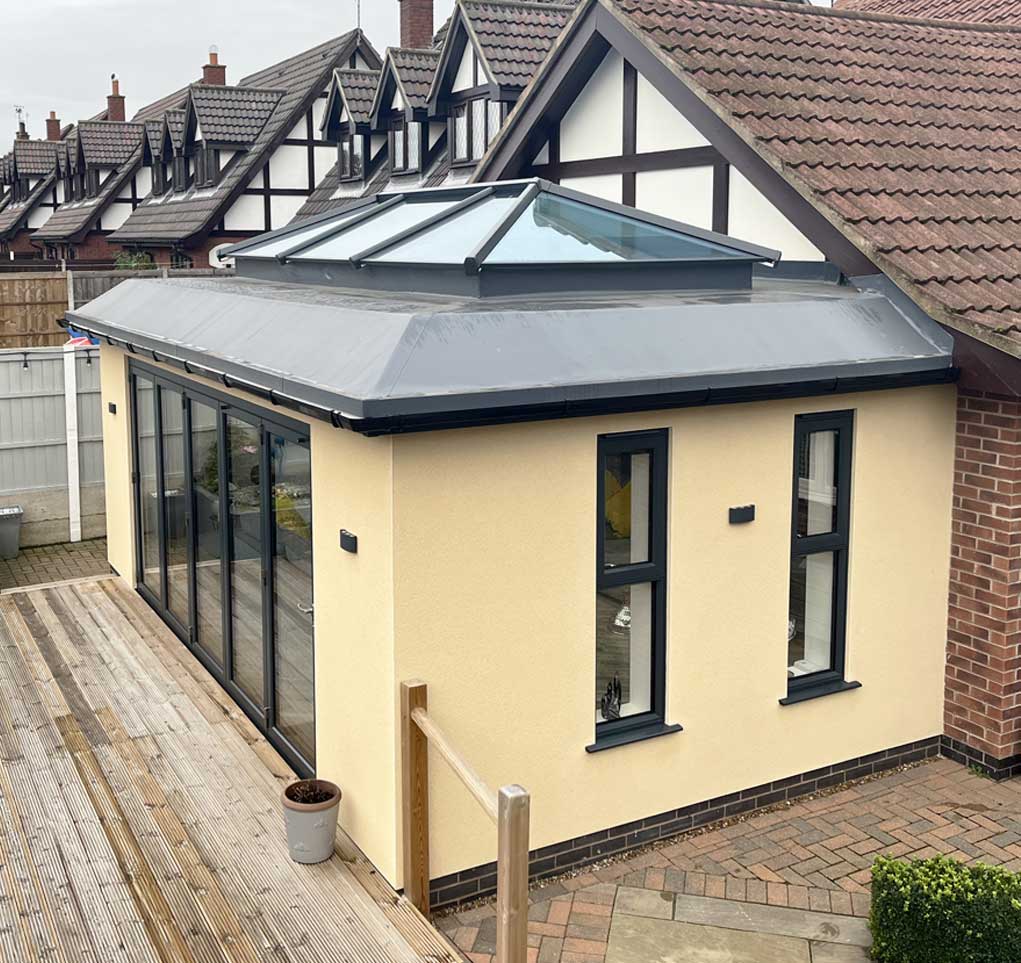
(416, 23)
(983, 678)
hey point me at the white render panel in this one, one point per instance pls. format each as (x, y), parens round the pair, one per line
(246, 214)
(38, 217)
(299, 131)
(610, 187)
(660, 125)
(318, 112)
(436, 131)
(398, 102)
(325, 158)
(143, 182)
(755, 219)
(60, 191)
(543, 156)
(594, 124)
(464, 79)
(283, 209)
(115, 215)
(684, 195)
(288, 167)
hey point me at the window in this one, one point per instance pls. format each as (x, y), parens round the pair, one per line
(351, 157)
(631, 588)
(92, 182)
(459, 121)
(180, 174)
(474, 125)
(819, 545)
(405, 145)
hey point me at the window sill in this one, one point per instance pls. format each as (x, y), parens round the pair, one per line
(639, 734)
(818, 691)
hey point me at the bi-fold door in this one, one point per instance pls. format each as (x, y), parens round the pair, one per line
(224, 539)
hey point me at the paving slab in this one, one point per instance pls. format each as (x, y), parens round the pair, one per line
(641, 939)
(779, 920)
(654, 904)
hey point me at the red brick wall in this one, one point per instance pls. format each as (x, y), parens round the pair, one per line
(983, 682)
(416, 23)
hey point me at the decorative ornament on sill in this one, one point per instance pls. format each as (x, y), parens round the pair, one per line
(609, 705)
(622, 620)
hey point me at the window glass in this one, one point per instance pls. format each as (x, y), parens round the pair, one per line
(817, 485)
(206, 484)
(554, 228)
(175, 503)
(495, 121)
(414, 145)
(145, 408)
(357, 156)
(461, 132)
(623, 651)
(345, 157)
(626, 488)
(479, 110)
(399, 159)
(810, 623)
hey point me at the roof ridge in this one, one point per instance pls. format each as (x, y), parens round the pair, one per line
(539, 4)
(341, 39)
(843, 13)
(227, 88)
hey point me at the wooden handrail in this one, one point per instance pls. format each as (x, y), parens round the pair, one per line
(509, 809)
(473, 782)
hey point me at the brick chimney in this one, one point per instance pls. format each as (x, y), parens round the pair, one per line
(22, 133)
(115, 100)
(416, 23)
(53, 126)
(214, 73)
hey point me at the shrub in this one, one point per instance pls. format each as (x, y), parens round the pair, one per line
(941, 911)
(134, 261)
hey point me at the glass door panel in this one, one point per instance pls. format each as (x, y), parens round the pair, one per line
(293, 651)
(244, 471)
(175, 501)
(208, 529)
(148, 490)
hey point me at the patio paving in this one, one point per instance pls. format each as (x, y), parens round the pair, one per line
(54, 563)
(798, 875)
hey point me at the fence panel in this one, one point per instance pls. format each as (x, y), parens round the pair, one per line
(30, 304)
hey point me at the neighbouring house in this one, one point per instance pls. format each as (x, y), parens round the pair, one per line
(234, 161)
(979, 11)
(29, 190)
(593, 473)
(437, 106)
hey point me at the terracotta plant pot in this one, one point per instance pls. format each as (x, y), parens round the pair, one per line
(310, 816)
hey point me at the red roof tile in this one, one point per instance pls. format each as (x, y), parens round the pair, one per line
(975, 11)
(903, 133)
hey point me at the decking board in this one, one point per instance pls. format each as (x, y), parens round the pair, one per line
(140, 819)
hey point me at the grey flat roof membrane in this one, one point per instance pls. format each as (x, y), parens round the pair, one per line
(388, 363)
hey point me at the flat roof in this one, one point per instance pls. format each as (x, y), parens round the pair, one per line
(383, 363)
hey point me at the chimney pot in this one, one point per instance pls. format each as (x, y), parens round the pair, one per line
(214, 73)
(115, 101)
(22, 132)
(416, 23)
(53, 126)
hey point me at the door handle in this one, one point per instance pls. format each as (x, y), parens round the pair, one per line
(306, 609)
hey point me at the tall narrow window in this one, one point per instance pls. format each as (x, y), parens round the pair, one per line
(819, 545)
(398, 145)
(414, 146)
(630, 586)
(459, 122)
(480, 111)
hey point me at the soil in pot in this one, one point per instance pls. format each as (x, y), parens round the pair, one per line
(308, 792)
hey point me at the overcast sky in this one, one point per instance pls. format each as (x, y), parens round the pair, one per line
(59, 54)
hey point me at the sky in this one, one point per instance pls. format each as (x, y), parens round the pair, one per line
(59, 54)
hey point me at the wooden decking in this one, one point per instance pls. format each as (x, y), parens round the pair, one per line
(139, 809)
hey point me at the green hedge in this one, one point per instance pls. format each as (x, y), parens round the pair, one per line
(941, 911)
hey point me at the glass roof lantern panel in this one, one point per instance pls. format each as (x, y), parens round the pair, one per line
(285, 242)
(386, 224)
(556, 229)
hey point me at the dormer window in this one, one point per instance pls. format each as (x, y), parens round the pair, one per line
(207, 167)
(159, 178)
(92, 182)
(351, 156)
(405, 145)
(474, 125)
(180, 174)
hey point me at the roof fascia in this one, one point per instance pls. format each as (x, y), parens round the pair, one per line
(597, 28)
(387, 75)
(449, 58)
(30, 205)
(335, 91)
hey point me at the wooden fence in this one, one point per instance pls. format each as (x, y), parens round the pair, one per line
(31, 302)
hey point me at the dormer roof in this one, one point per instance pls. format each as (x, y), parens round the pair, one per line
(175, 119)
(109, 143)
(408, 72)
(231, 115)
(34, 158)
(351, 95)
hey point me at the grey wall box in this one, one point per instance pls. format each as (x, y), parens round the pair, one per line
(111, 407)
(742, 515)
(348, 541)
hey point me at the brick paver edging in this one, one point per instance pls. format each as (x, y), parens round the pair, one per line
(970, 756)
(559, 858)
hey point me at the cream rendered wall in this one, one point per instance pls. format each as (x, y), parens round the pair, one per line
(464, 79)
(610, 187)
(594, 124)
(356, 713)
(288, 167)
(660, 126)
(117, 462)
(247, 213)
(495, 608)
(753, 218)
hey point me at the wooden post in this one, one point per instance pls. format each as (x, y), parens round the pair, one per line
(512, 876)
(415, 789)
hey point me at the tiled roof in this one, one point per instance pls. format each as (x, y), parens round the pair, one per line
(154, 135)
(415, 70)
(175, 124)
(71, 143)
(359, 88)
(12, 216)
(975, 11)
(514, 37)
(232, 115)
(109, 143)
(158, 108)
(903, 133)
(35, 157)
(300, 78)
